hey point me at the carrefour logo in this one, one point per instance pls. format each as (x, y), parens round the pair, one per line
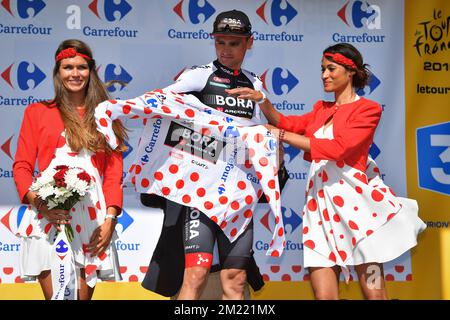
(119, 74)
(373, 83)
(192, 10)
(433, 157)
(24, 75)
(25, 9)
(282, 81)
(361, 14)
(276, 11)
(290, 218)
(110, 10)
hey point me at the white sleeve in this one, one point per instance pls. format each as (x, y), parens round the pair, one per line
(258, 116)
(188, 81)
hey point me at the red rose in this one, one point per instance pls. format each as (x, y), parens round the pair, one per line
(84, 176)
(60, 167)
(59, 177)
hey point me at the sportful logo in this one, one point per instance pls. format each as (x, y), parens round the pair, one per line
(280, 79)
(433, 157)
(278, 12)
(293, 220)
(22, 75)
(374, 82)
(23, 8)
(116, 73)
(361, 14)
(113, 10)
(194, 10)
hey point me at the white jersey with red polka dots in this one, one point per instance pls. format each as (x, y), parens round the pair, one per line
(87, 215)
(194, 155)
(351, 217)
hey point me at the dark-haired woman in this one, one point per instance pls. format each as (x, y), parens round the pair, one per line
(63, 132)
(350, 217)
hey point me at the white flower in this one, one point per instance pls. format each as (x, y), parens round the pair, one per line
(46, 191)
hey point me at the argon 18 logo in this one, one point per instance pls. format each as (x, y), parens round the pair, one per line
(278, 12)
(25, 75)
(282, 81)
(360, 14)
(25, 9)
(191, 10)
(110, 10)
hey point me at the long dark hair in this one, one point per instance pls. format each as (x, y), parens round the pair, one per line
(362, 73)
(84, 134)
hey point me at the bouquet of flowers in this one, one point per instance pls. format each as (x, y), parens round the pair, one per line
(61, 187)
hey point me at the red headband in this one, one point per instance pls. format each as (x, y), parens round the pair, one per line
(70, 53)
(341, 59)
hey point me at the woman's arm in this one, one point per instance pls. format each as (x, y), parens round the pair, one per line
(26, 154)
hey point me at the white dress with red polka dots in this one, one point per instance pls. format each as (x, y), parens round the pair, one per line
(352, 217)
(88, 214)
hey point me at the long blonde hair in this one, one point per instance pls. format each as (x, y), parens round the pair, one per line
(84, 134)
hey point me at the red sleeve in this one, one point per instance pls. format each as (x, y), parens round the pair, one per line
(112, 180)
(296, 124)
(357, 131)
(26, 154)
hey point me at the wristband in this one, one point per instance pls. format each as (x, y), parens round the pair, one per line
(112, 216)
(264, 98)
(281, 135)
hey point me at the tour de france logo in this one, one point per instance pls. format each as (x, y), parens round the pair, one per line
(432, 35)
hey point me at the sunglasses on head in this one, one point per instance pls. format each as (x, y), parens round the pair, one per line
(231, 25)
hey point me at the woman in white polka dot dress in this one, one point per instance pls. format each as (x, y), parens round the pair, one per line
(350, 217)
(63, 132)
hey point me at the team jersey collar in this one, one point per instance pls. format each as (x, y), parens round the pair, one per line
(229, 71)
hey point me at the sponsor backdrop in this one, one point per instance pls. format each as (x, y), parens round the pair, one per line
(148, 43)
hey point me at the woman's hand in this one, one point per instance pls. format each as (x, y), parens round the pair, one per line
(101, 238)
(246, 93)
(54, 216)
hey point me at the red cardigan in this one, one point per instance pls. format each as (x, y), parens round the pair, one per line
(354, 126)
(41, 128)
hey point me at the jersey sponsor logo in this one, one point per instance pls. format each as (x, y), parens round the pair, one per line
(221, 80)
(218, 84)
(195, 143)
(194, 10)
(228, 101)
(25, 9)
(277, 79)
(433, 157)
(156, 128)
(275, 11)
(25, 75)
(194, 223)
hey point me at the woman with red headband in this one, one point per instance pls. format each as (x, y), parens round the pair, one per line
(350, 217)
(63, 132)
